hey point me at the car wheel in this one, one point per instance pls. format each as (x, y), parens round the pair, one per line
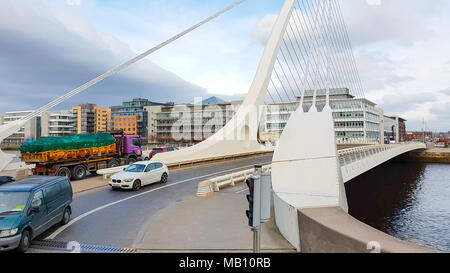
(64, 171)
(66, 217)
(25, 242)
(137, 185)
(79, 172)
(164, 178)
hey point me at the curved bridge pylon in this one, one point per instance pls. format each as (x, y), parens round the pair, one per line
(240, 134)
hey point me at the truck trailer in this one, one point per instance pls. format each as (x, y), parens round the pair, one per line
(75, 156)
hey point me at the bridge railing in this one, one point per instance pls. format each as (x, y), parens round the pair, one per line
(351, 155)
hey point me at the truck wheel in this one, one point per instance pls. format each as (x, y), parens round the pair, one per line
(25, 242)
(113, 163)
(79, 172)
(63, 171)
(131, 160)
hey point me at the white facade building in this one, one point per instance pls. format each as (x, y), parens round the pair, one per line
(30, 131)
(356, 120)
(188, 122)
(57, 124)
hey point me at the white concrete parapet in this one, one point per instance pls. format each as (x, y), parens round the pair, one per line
(216, 183)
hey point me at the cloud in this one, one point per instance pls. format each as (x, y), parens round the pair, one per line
(442, 116)
(49, 54)
(263, 28)
(401, 102)
(445, 92)
(404, 22)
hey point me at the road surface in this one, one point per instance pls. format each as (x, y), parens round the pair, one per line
(120, 218)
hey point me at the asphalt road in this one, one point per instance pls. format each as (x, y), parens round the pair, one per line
(120, 218)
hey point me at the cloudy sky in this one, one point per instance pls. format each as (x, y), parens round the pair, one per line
(48, 47)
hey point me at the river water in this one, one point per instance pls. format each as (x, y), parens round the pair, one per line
(410, 201)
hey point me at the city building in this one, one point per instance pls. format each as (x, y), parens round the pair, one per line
(88, 118)
(188, 122)
(102, 120)
(127, 124)
(356, 119)
(394, 129)
(419, 136)
(442, 135)
(31, 131)
(57, 124)
(124, 115)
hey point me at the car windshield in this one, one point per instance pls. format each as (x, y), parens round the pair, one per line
(157, 150)
(135, 168)
(13, 202)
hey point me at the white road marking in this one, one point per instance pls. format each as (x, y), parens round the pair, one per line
(62, 228)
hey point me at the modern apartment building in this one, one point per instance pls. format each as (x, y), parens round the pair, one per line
(88, 118)
(355, 119)
(127, 124)
(57, 124)
(188, 122)
(102, 120)
(31, 130)
(136, 109)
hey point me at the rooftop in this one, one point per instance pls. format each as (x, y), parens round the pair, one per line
(213, 100)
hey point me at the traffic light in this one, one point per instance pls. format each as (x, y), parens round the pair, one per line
(253, 213)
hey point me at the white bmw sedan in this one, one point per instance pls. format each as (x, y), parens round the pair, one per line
(140, 174)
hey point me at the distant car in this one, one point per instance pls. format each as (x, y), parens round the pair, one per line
(30, 206)
(158, 151)
(140, 174)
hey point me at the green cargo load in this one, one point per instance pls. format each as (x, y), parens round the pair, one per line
(68, 143)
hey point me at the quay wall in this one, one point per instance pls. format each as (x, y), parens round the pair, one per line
(435, 155)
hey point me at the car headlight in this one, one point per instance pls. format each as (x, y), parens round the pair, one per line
(8, 233)
(128, 180)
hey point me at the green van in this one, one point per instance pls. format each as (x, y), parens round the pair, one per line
(30, 206)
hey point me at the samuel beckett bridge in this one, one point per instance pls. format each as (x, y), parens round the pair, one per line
(307, 61)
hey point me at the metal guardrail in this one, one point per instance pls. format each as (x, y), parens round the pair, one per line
(216, 183)
(111, 171)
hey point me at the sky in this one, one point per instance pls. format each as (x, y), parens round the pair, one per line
(49, 47)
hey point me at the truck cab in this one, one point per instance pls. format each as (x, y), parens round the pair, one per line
(129, 146)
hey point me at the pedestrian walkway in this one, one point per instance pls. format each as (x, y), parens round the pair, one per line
(216, 223)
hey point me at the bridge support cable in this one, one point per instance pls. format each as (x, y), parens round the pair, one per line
(316, 55)
(338, 11)
(343, 64)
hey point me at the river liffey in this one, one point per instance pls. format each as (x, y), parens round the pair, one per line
(410, 201)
